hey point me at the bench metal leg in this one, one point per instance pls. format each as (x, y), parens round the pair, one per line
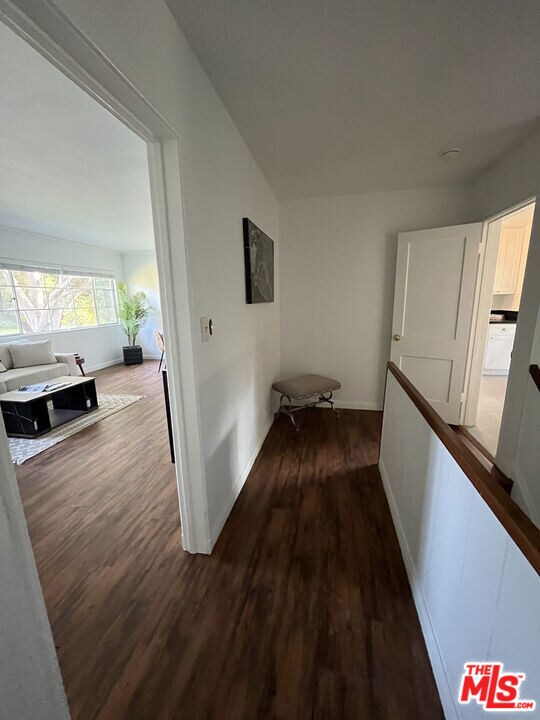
(286, 406)
(327, 398)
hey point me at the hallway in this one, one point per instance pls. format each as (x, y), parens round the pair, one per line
(303, 610)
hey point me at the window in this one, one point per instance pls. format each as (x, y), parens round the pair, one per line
(34, 301)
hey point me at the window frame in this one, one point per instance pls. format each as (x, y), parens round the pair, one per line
(94, 276)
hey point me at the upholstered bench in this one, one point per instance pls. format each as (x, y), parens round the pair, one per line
(305, 391)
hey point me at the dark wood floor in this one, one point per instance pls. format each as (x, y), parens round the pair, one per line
(302, 611)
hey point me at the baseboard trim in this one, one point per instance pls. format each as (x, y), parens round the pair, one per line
(523, 490)
(116, 361)
(101, 366)
(355, 405)
(446, 692)
(217, 526)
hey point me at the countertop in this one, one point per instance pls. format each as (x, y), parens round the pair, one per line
(510, 317)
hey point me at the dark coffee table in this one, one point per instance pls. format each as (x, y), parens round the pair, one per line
(29, 415)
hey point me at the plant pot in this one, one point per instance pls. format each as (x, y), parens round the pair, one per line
(132, 354)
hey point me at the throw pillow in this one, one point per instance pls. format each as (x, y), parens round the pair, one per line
(32, 353)
(5, 357)
(3, 368)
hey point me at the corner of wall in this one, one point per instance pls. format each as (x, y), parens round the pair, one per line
(218, 522)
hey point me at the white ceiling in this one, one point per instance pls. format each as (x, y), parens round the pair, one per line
(68, 168)
(363, 95)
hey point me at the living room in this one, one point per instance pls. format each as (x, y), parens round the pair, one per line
(77, 205)
(75, 218)
(77, 257)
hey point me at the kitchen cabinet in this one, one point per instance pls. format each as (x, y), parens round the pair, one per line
(509, 260)
(499, 349)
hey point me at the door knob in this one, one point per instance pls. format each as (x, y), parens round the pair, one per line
(396, 338)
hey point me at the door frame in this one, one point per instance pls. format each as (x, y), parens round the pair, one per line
(487, 266)
(43, 26)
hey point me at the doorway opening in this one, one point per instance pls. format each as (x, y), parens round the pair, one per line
(88, 438)
(57, 40)
(501, 274)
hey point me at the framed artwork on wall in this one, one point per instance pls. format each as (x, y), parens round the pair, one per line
(259, 264)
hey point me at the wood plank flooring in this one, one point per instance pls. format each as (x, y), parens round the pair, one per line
(302, 611)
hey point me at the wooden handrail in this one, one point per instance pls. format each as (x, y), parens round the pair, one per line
(519, 526)
(535, 374)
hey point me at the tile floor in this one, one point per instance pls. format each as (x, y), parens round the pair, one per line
(490, 407)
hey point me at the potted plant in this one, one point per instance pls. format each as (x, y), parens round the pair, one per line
(133, 311)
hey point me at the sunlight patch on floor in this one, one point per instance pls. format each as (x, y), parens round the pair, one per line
(490, 407)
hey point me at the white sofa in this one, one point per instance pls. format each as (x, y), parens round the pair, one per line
(27, 363)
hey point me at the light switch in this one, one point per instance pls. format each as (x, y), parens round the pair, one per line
(206, 329)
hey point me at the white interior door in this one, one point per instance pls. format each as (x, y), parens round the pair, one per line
(433, 306)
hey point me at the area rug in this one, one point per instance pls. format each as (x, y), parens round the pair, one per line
(22, 449)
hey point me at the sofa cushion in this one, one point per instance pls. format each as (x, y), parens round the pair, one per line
(28, 354)
(5, 356)
(3, 368)
(13, 379)
(69, 360)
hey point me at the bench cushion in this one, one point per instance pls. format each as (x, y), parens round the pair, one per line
(305, 386)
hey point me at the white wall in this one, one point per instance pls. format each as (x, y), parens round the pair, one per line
(476, 594)
(337, 269)
(514, 179)
(140, 273)
(526, 464)
(221, 184)
(100, 346)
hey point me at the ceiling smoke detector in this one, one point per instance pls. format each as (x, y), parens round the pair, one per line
(450, 154)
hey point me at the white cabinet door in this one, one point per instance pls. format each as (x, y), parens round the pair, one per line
(433, 304)
(499, 349)
(508, 261)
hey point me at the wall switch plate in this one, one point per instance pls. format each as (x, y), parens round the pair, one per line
(206, 332)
